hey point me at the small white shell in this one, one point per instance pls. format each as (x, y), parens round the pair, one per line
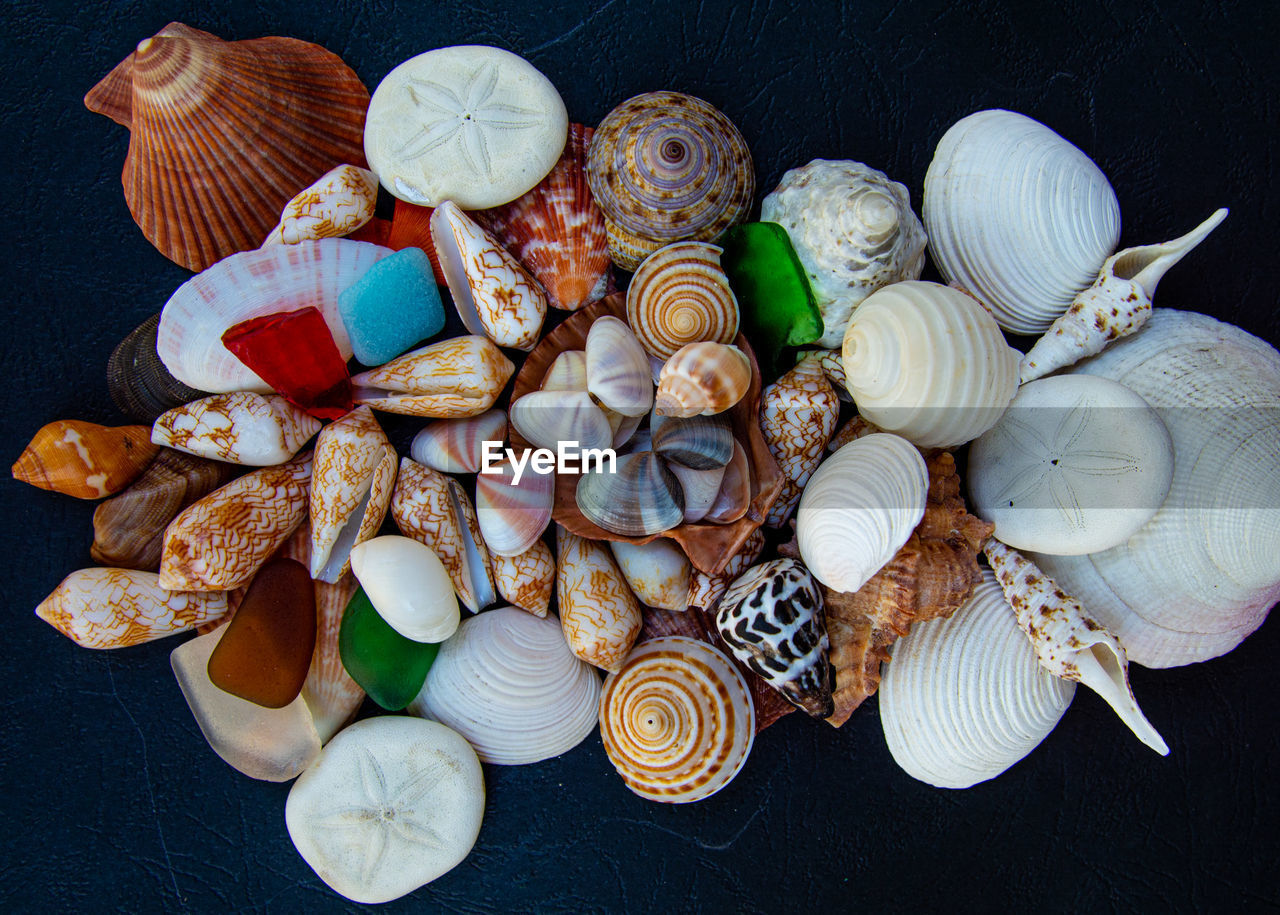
(342, 201)
(658, 572)
(409, 587)
(241, 428)
(617, 368)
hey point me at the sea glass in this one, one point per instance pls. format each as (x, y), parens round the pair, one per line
(393, 306)
(389, 667)
(294, 352)
(774, 299)
(274, 745)
(266, 651)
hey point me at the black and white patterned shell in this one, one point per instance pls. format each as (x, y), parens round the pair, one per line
(771, 619)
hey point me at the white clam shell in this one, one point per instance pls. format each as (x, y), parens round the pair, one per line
(409, 587)
(964, 698)
(658, 572)
(508, 683)
(240, 427)
(567, 373)
(617, 368)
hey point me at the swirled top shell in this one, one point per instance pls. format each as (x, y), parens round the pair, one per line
(681, 295)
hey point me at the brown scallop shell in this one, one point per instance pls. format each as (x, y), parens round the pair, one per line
(708, 546)
(225, 133)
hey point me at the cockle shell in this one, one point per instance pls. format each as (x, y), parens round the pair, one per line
(1067, 642)
(547, 418)
(85, 460)
(241, 428)
(681, 295)
(702, 378)
(599, 614)
(859, 508)
(665, 166)
(252, 284)
(351, 483)
(219, 542)
(115, 608)
(457, 445)
(513, 515)
(639, 497)
(1202, 574)
(223, 133)
(929, 363)
(1017, 216)
(657, 572)
(618, 369)
(446, 380)
(508, 683)
(853, 230)
(798, 414)
(527, 580)
(964, 698)
(676, 720)
(342, 201)
(137, 379)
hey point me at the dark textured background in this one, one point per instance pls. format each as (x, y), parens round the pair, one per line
(111, 798)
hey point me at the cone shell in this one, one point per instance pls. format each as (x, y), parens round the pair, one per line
(706, 590)
(657, 572)
(224, 133)
(446, 380)
(599, 614)
(513, 515)
(342, 201)
(798, 414)
(138, 381)
(681, 295)
(457, 445)
(85, 460)
(241, 428)
(618, 369)
(702, 379)
(527, 580)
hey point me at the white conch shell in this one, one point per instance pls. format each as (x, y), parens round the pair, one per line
(527, 580)
(342, 201)
(508, 683)
(929, 363)
(798, 414)
(446, 380)
(240, 427)
(599, 614)
(457, 445)
(1017, 216)
(1116, 305)
(408, 585)
(658, 572)
(513, 515)
(859, 509)
(1202, 574)
(546, 418)
(964, 698)
(617, 368)
(1067, 642)
(853, 230)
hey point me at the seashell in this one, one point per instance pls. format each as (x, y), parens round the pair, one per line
(457, 445)
(599, 614)
(332, 697)
(508, 683)
(351, 482)
(493, 294)
(342, 201)
(798, 415)
(408, 585)
(446, 380)
(964, 698)
(1017, 216)
(625, 429)
(771, 619)
(677, 720)
(854, 429)
(252, 284)
(1116, 305)
(128, 529)
(434, 510)
(83, 459)
(241, 428)
(1202, 574)
(411, 228)
(640, 496)
(680, 295)
(618, 369)
(557, 232)
(699, 442)
(547, 418)
(665, 166)
(928, 363)
(657, 572)
(706, 590)
(513, 514)
(223, 133)
(699, 488)
(734, 498)
(527, 580)
(833, 365)
(702, 379)
(567, 373)
(853, 230)
(115, 608)
(1075, 465)
(139, 384)
(218, 543)
(1068, 643)
(859, 508)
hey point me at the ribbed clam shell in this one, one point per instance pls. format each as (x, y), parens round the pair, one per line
(859, 508)
(639, 498)
(702, 378)
(657, 571)
(798, 414)
(699, 442)
(929, 363)
(527, 580)
(508, 683)
(1202, 574)
(83, 459)
(677, 720)
(557, 231)
(342, 201)
(1017, 216)
(457, 445)
(699, 488)
(446, 380)
(567, 373)
(681, 295)
(963, 698)
(137, 379)
(599, 613)
(240, 427)
(734, 497)
(618, 369)
(195, 184)
(546, 418)
(248, 285)
(513, 515)
(665, 166)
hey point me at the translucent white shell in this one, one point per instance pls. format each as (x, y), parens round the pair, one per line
(617, 368)
(240, 427)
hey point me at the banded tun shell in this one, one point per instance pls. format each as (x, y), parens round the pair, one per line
(137, 379)
(680, 295)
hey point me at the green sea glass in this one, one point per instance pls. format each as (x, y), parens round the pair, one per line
(777, 306)
(389, 667)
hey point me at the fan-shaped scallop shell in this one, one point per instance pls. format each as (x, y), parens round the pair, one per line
(137, 379)
(446, 380)
(457, 445)
(702, 378)
(598, 612)
(240, 427)
(224, 133)
(680, 295)
(83, 459)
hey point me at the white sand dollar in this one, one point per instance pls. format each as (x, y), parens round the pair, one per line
(409, 587)
(391, 804)
(476, 125)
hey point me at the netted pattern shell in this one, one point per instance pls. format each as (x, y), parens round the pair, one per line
(798, 414)
(240, 427)
(680, 295)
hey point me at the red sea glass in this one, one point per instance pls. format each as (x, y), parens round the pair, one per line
(294, 352)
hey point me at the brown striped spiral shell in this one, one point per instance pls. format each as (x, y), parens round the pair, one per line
(680, 295)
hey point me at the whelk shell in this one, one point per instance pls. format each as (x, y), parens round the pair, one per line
(342, 201)
(527, 580)
(137, 379)
(445, 380)
(85, 460)
(241, 428)
(513, 515)
(618, 369)
(457, 445)
(702, 379)
(640, 497)
(680, 295)
(599, 614)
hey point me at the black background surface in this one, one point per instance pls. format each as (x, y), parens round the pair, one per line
(111, 798)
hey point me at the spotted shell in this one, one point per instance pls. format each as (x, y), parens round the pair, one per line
(85, 460)
(681, 295)
(702, 378)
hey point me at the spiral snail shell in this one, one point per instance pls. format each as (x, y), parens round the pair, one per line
(680, 295)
